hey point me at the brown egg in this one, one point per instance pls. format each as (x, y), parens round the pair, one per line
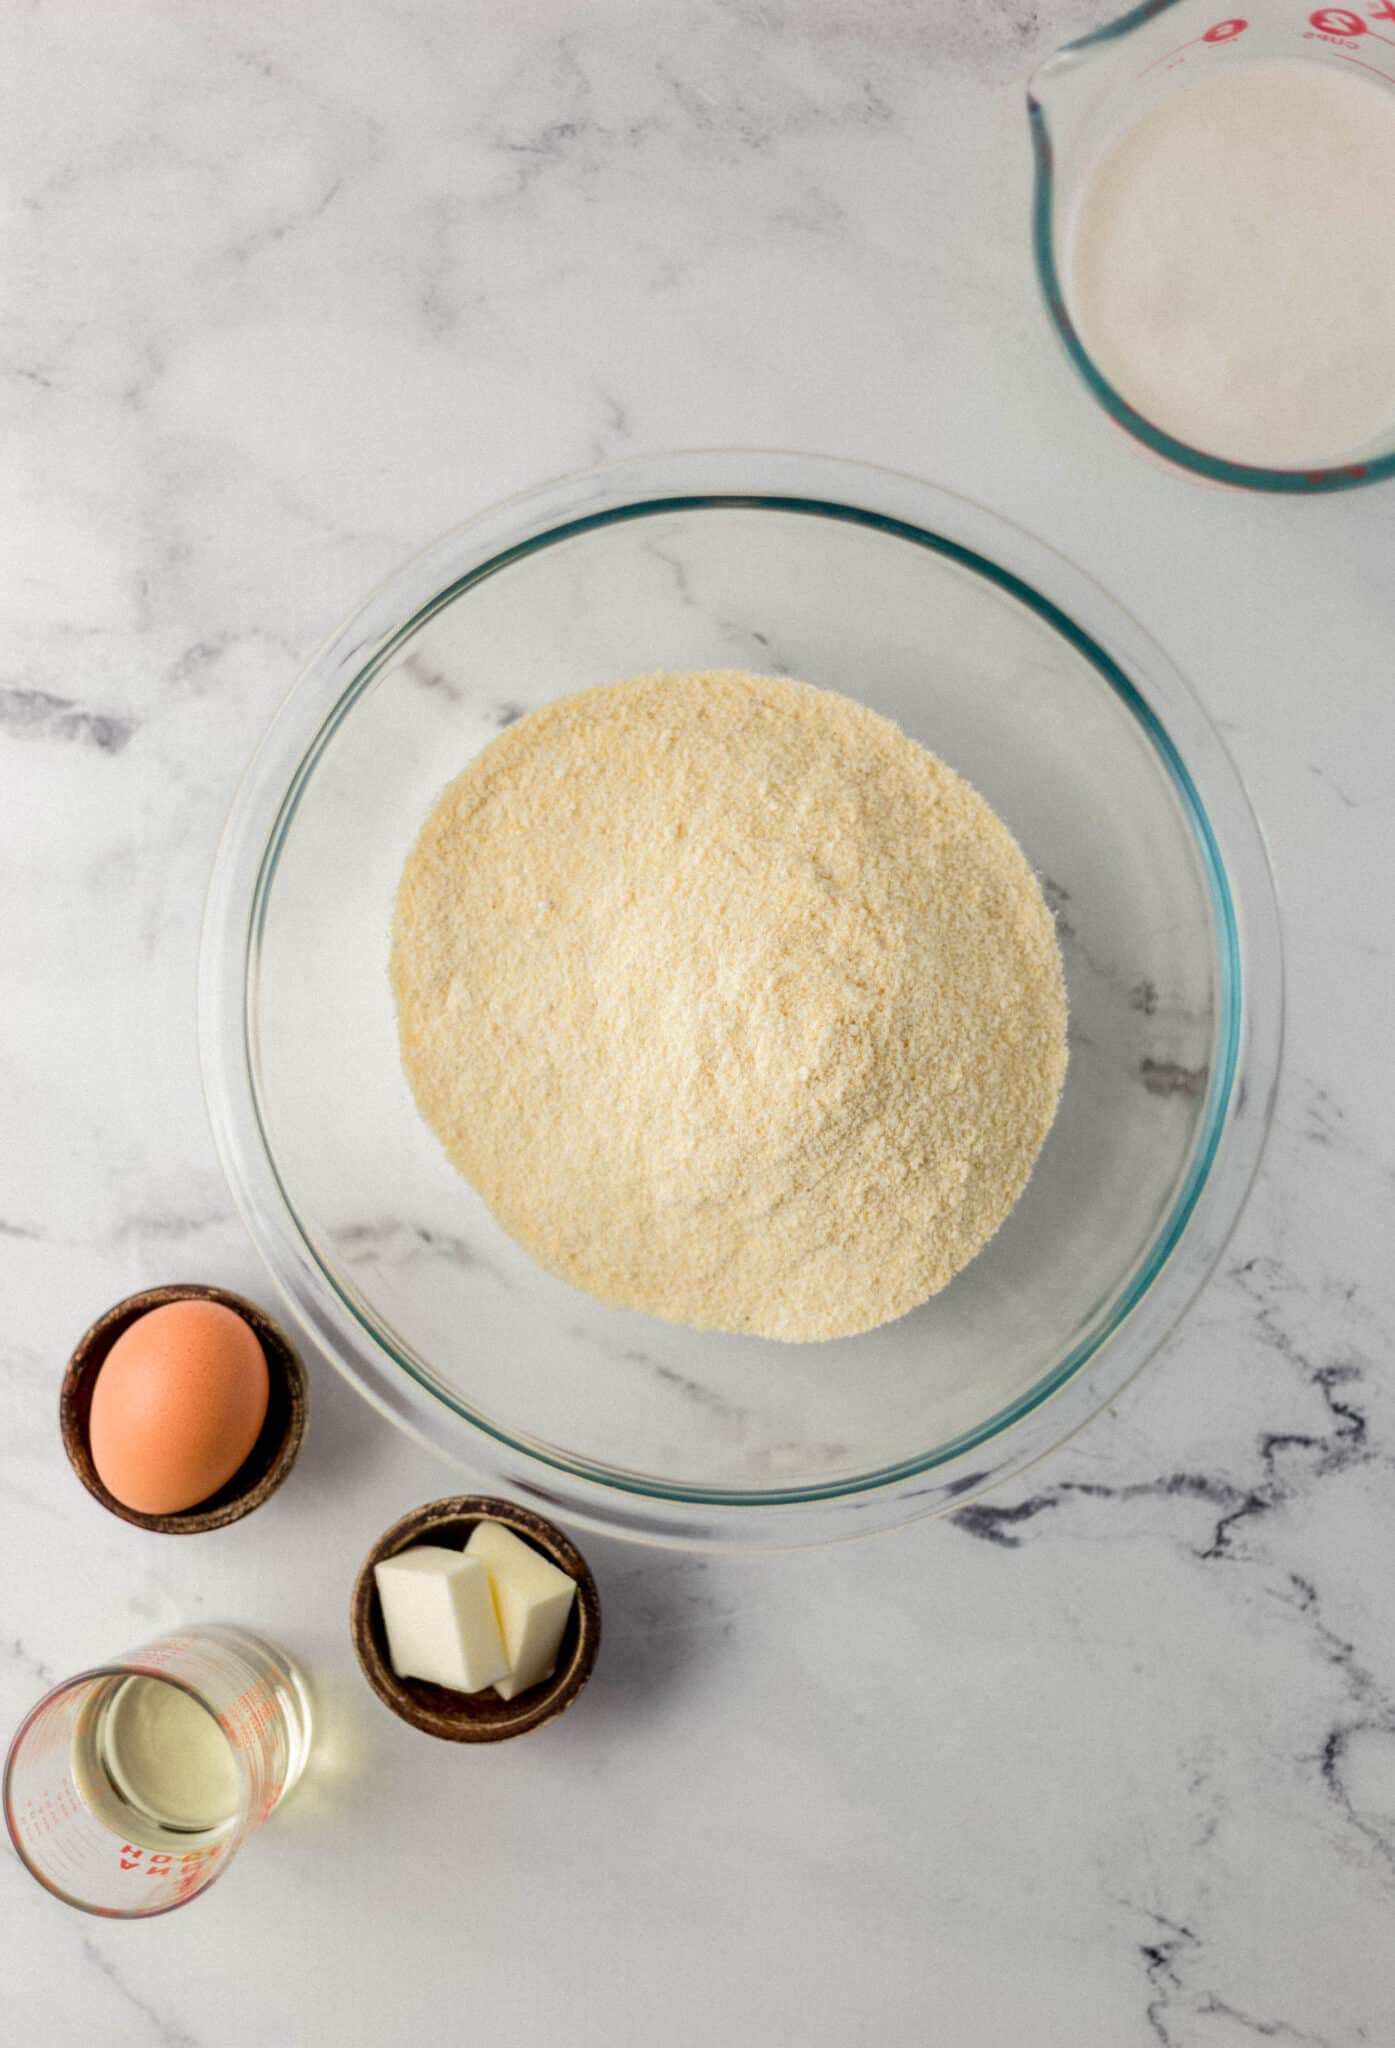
(177, 1406)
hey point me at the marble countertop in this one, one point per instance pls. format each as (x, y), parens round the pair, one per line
(1110, 1761)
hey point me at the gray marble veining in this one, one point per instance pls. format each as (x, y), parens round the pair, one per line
(1106, 1762)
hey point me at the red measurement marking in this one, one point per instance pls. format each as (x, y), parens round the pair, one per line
(1337, 21)
(1382, 10)
(1346, 57)
(1219, 32)
(1169, 56)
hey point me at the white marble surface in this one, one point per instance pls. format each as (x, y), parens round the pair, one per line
(1109, 1763)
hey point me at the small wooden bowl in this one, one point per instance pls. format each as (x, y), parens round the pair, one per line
(266, 1464)
(478, 1716)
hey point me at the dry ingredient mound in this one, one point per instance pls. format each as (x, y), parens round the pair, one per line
(735, 1004)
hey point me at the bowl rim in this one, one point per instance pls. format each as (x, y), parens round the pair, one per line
(1242, 1082)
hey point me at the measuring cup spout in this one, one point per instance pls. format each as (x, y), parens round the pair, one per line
(1074, 68)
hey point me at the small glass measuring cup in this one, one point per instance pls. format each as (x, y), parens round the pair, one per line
(91, 1839)
(1089, 91)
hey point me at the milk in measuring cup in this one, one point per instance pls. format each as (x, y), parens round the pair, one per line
(1231, 267)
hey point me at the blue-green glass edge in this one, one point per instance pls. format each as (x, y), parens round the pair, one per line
(1229, 1004)
(1114, 31)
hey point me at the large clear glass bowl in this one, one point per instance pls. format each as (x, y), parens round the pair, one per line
(990, 649)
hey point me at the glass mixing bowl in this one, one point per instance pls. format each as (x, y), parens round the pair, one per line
(1023, 675)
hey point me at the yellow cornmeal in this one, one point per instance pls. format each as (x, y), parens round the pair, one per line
(735, 1004)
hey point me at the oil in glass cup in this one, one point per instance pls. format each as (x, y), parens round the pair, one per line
(129, 1788)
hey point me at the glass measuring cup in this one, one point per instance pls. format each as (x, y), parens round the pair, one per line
(1085, 95)
(92, 1834)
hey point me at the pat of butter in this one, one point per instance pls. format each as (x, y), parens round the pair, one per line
(439, 1614)
(533, 1599)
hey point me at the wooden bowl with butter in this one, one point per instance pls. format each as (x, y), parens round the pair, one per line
(476, 1716)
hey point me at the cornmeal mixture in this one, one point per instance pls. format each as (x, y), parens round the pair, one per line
(735, 1004)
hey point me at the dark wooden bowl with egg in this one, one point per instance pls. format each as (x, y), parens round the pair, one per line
(480, 1716)
(264, 1467)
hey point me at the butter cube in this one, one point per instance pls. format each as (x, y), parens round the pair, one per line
(439, 1614)
(532, 1598)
